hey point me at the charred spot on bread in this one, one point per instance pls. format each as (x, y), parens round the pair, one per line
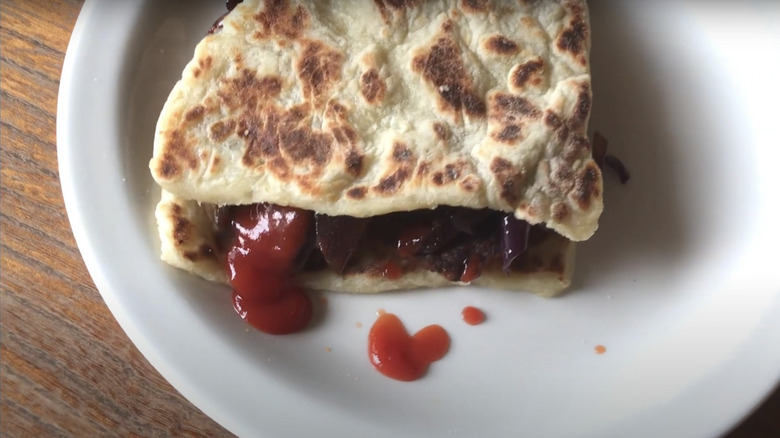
(442, 66)
(401, 152)
(588, 185)
(357, 192)
(501, 45)
(529, 72)
(574, 37)
(507, 178)
(178, 155)
(319, 69)
(372, 86)
(354, 163)
(509, 113)
(280, 19)
(195, 114)
(181, 230)
(391, 183)
(560, 211)
(220, 130)
(582, 107)
(441, 130)
(246, 90)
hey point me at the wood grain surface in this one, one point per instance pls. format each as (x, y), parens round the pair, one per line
(67, 368)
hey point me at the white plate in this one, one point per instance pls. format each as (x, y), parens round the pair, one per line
(681, 283)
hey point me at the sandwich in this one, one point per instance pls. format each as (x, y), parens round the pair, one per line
(391, 144)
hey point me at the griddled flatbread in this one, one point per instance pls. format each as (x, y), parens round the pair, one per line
(364, 108)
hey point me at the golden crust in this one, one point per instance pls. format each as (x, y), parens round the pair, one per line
(368, 108)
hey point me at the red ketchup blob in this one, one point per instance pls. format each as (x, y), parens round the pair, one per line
(392, 271)
(471, 269)
(402, 357)
(472, 315)
(265, 240)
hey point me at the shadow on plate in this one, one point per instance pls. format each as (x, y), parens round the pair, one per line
(642, 220)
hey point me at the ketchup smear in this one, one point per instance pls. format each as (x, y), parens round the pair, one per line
(402, 357)
(264, 242)
(472, 315)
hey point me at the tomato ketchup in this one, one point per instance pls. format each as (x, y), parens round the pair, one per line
(264, 241)
(473, 315)
(397, 355)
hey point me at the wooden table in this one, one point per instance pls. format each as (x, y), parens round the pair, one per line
(67, 367)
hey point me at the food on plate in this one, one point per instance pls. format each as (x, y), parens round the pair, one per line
(473, 315)
(401, 356)
(381, 145)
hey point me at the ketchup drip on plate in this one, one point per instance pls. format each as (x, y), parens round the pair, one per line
(472, 315)
(264, 242)
(397, 355)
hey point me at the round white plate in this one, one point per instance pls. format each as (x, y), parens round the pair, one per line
(681, 284)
